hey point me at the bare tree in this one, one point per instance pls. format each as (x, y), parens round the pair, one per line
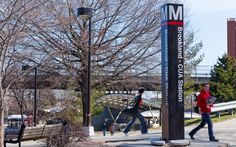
(126, 39)
(14, 15)
(19, 95)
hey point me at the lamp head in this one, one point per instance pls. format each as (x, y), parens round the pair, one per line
(84, 13)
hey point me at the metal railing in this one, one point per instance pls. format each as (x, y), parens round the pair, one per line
(216, 109)
(224, 106)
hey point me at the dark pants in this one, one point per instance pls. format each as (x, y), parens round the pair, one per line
(206, 118)
(141, 119)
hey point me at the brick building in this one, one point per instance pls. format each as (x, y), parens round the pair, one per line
(231, 37)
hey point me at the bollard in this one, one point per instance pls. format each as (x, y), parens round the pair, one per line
(104, 132)
(231, 111)
(217, 114)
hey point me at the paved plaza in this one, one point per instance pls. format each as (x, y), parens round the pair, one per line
(224, 131)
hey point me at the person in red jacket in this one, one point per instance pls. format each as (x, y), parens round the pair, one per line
(205, 110)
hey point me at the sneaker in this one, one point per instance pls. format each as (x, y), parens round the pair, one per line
(191, 136)
(216, 140)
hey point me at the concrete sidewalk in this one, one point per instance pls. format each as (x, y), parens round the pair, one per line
(136, 139)
(38, 143)
(224, 131)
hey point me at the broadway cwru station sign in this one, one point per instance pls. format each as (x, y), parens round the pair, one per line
(172, 71)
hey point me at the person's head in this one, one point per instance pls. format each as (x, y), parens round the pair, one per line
(141, 90)
(206, 87)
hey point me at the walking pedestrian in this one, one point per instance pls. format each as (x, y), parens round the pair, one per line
(204, 110)
(137, 103)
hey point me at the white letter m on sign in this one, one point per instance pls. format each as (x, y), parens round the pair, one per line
(175, 15)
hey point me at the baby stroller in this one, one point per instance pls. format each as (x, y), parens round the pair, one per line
(129, 110)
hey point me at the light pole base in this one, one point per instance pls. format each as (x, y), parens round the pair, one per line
(172, 143)
(88, 131)
(158, 142)
(183, 142)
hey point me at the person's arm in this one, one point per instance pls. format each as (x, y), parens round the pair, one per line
(200, 101)
(133, 102)
(210, 105)
(137, 101)
(213, 100)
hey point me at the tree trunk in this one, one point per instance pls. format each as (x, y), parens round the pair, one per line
(1, 127)
(21, 113)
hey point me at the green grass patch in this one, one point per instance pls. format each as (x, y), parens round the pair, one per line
(192, 121)
(224, 116)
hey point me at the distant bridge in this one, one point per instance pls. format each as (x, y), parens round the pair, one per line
(200, 75)
(150, 83)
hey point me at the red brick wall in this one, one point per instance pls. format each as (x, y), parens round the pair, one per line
(231, 37)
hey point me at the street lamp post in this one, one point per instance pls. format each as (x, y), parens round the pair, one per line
(191, 106)
(86, 15)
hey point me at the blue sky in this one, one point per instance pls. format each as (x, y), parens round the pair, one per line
(209, 19)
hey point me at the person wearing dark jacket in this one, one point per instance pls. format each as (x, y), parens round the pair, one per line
(137, 103)
(205, 110)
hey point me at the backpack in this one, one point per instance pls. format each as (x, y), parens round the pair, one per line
(196, 108)
(132, 109)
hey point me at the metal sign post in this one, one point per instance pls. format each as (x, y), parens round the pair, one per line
(172, 72)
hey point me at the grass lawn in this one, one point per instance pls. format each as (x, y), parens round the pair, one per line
(224, 116)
